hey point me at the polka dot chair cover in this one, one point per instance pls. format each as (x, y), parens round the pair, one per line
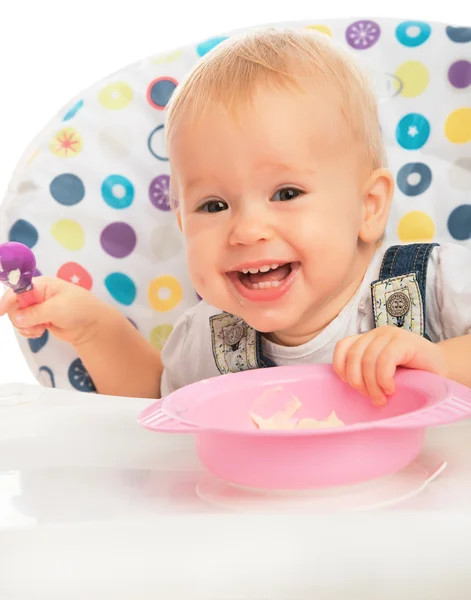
(91, 194)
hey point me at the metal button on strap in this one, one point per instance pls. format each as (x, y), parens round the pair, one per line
(398, 304)
(234, 334)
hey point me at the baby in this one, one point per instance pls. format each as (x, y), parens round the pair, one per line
(280, 189)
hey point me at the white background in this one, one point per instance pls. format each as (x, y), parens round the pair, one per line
(52, 49)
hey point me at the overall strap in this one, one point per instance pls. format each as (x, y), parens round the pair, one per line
(236, 346)
(399, 295)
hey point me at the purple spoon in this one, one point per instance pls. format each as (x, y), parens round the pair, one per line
(17, 265)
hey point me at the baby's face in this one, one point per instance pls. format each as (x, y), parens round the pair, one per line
(271, 207)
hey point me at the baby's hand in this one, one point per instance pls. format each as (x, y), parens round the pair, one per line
(368, 361)
(69, 312)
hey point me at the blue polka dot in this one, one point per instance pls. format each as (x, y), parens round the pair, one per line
(79, 377)
(67, 189)
(413, 33)
(22, 231)
(459, 35)
(46, 377)
(117, 191)
(412, 131)
(121, 287)
(459, 222)
(37, 344)
(73, 111)
(156, 143)
(208, 45)
(414, 178)
(161, 91)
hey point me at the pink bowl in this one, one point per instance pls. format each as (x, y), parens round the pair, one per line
(375, 441)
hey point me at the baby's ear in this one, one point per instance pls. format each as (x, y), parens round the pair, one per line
(377, 196)
(179, 218)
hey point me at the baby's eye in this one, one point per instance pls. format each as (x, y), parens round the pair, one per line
(286, 194)
(213, 206)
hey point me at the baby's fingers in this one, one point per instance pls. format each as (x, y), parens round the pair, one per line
(32, 332)
(7, 302)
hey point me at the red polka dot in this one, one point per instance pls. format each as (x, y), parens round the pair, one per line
(76, 274)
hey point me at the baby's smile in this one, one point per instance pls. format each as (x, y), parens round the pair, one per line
(265, 281)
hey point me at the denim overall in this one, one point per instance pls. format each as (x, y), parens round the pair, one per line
(398, 299)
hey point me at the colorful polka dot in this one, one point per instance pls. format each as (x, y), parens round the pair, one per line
(459, 74)
(159, 192)
(459, 222)
(37, 344)
(414, 178)
(165, 293)
(67, 189)
(66, 143)
(413, 33)
(208, 45)
(46, 377)
(413, 78)
(458, 126)
(412, 131)
(460, 35)
(118, 240)
(362, 35)
(76, 274)
(117, 191)
(159, 335)
(321, 29)
(116, 96)
(69, 234)
(121, 288)
(115, 140)
(79, 377)
(70, 114)
(166, 242)
(460, 174)
(24, 232)
(156, 143)
(166, 58)
(160, 91)
(416, 226)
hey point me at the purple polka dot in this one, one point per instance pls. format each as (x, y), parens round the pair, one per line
(118, 240)
(159, 192)
(361, 35)
(459, 74)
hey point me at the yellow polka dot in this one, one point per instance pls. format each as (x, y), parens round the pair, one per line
(165, 293)
(159, 335)
(413, 76)
(321, 29)
(458, 126)
(167, 58)
(69, 234)
(116, 96)
(66, 143)
(416, 226)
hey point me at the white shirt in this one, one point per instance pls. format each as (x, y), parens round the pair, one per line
(188, 353)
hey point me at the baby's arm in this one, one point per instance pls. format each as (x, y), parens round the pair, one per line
(457, 358)
(118, 358)
(120, 361)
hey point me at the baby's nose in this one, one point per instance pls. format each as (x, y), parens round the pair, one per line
(250, 229)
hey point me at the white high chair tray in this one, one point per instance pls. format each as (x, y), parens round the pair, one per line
(93, 506)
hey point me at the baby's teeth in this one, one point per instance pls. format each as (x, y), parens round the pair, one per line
(265, 285)
(274, 266)
(245, 271)
(253, 271)
(265, 269)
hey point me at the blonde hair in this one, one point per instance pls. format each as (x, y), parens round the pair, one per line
(230, 73)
